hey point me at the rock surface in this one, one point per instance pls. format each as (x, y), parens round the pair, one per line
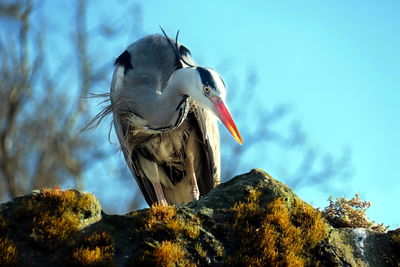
(252, 219)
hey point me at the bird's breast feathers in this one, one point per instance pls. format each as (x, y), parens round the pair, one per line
(165, 147)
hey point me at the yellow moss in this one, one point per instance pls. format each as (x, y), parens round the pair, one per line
(396, 237)
(49, 227)
(314, 227)
(170, 254)
(53, 213)
(253, 197)
(50, 219)
(69, 200)
(166, 253)
(199, 249)
(161, 217)
(100, 237)
(191, 229)
(8, 252)
(4, 223)
(96, 249)
(86, 256)
(275, 235)
(165, 223)
(92, 256)
(160, 214)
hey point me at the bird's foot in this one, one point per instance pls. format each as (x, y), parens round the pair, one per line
(163, 202)
(195, 193)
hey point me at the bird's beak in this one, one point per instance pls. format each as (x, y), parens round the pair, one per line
(226, 118)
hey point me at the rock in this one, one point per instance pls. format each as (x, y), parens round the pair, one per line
(227, 194)
(359, 247)
(252, 219)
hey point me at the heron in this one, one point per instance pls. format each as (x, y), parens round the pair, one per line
(165, 111)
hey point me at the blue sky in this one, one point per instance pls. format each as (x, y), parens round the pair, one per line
(336, 63)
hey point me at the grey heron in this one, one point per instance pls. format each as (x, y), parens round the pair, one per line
(165, 110)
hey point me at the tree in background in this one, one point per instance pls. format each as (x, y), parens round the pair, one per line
(39, 144)
(43, 108)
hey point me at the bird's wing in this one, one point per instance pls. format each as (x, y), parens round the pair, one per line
(132, 155)
(135, 160)
(209, 135)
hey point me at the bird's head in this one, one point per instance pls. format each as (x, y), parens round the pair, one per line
(206, 87)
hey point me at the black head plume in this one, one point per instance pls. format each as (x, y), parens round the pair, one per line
(175, 46)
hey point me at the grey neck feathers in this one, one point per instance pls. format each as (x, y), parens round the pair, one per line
(167, 110)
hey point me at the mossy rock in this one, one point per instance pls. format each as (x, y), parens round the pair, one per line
(227, 194)
(252, 219)
(46, 220)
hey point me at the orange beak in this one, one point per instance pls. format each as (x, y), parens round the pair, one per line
(226, 119)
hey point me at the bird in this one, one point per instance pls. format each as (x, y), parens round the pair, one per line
(165, 110)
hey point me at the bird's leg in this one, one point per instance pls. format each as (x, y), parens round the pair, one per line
(151, 170)
(192, 174)
(158, 188)
(160, 194)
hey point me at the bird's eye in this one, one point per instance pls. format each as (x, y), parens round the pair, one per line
(206, 89)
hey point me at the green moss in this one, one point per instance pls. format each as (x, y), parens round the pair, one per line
(8, 252)
(275, 235)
